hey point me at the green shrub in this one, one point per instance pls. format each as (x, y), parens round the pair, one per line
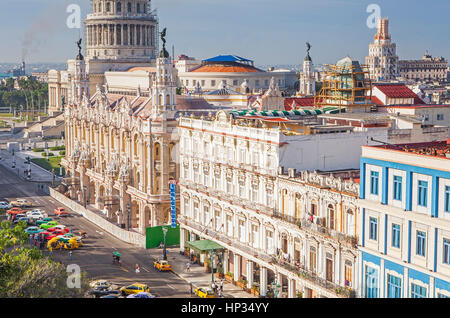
(50, 154)
(58, 148)
(62, 153)
(38, 149)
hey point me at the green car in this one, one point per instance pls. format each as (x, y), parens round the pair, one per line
(48, 225)
(43, 221)
(33, 230)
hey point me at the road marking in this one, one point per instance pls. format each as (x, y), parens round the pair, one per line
(170, 286)
(101, 233)
(145, 269)
(124, 269)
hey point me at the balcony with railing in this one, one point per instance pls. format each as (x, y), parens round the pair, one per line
(307, 225)
(311, 276)
(287, 218)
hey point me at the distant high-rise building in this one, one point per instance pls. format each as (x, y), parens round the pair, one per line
(382, 59)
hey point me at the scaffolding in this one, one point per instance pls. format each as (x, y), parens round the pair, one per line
(346, 85)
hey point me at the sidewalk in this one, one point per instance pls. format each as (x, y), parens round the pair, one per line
(197, 275)
(38, 174)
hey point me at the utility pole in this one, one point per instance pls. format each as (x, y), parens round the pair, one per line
(164, 229)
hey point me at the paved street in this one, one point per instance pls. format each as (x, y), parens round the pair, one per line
(95, 257)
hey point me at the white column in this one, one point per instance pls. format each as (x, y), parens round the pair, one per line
(337, 266)
(225, 262)
(237, 267)
(263, 281)
(291, 288)
(182, 239)
(249, 274)
(381, 287)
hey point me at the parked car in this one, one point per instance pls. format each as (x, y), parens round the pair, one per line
(4, 205)
(17, 216)
(48, 225)
(45, 235)
(204, 292)
(37, 214)
(15, 211)
(33, 230)
(134, 289)
(22, 203)
(23, 218)
(102, 283)
(55, 233)
(60, 212)
(60, 228)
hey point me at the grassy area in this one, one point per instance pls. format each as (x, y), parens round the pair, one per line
(4, 124)
(51, 164)
(6, 115)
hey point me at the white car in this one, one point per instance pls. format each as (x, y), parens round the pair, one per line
(4, 205)
(59, 226)
(37, 214)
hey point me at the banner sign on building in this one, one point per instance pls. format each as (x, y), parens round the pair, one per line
(173, 208)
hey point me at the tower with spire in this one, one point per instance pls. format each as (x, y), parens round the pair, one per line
(307, 85)
(80, 82)
(164, 84)
(382, 59)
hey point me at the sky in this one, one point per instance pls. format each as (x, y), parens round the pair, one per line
(270, 32)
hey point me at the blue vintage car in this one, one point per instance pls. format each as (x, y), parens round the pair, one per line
(33, 230)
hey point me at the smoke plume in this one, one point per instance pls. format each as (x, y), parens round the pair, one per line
(43, 27)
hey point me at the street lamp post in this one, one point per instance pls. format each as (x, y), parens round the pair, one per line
(212, 253)
(128, 216)
(164, 229)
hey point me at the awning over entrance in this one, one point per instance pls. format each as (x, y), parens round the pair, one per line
(204, 245)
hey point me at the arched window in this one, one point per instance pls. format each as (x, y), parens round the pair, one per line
(129, 7)
(284, 202)
(167, 100)
(330, 216)
(160, 101)
(350, 222)
(108, 6)
(313, 207)
(298, 205)
(119, 7)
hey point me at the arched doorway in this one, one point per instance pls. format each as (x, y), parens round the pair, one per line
(134, 214)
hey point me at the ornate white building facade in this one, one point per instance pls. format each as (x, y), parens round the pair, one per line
(232, 192)
(120, 146)
(382, 59)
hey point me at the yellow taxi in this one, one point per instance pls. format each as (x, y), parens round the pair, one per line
(204, 292)
(134, 289)
(162, 265)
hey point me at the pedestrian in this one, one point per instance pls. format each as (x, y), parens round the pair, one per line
(191, 288)
(161, 245)
(188, 265)
(137, 269)
(214, 287)
(221, 285)
(70, 255)
(31, 239)
(35, 243)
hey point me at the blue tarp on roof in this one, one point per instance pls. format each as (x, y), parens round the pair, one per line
(227, 58)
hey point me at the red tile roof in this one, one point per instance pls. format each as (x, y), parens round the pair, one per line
(299, 102)
(375, 100)
(396, 90)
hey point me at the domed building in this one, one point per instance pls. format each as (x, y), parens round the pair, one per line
(232, 71)
(119, 35)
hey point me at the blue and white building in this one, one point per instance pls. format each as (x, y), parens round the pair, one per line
(405, 221)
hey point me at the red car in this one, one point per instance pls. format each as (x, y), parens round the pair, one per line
(15, 211)
(60, 211)
(45, 235)
(55, 233)
(57, 228)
